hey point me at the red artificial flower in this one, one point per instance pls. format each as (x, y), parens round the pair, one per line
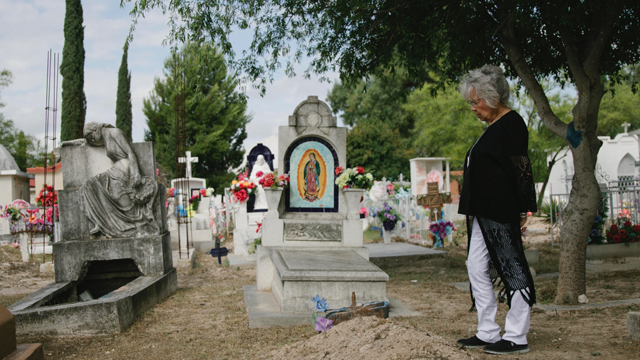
(261, 181)
(610, 235)
(259, 174)
(627, 223)
(616, 238)
(203, 192)
(269, 180)
(614, 227)
(636, 228)
(622, 234)
(241, 195)
(359, 169)
(339, 170)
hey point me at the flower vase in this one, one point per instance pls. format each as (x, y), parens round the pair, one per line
(273, 199)
(386, 235)
(353, 197)
(387, 231)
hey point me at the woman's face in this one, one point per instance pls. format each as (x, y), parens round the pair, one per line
(480, 108)
(94, 138)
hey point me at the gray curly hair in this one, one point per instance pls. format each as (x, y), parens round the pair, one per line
(489, 83)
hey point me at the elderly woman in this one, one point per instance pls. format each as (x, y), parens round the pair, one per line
(115, 201)
(497, 193)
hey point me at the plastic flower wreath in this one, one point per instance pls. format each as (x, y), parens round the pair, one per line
(355, 178)
(440, 229)
(47, 196)
(320, 323)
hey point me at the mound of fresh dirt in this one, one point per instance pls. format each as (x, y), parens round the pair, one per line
(371, 338)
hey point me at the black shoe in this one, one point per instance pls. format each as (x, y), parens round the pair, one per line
(506, 347)
(473, 343)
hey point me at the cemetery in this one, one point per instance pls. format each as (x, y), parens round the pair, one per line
(336, 254)
(389, 208)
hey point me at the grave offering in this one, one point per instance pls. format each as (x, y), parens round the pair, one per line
(312, 235)
(114, 258)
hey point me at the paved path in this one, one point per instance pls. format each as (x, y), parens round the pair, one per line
(400, 249)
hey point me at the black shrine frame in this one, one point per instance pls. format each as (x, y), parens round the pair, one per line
(287, 168)
(251, 160)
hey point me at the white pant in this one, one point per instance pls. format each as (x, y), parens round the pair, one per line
(518, 318)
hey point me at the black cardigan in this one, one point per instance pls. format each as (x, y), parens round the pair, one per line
(498, 182)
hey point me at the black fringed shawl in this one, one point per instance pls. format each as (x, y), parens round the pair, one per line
(497, 187)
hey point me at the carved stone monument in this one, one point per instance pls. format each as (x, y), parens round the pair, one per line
(114, 258)
(312, 241)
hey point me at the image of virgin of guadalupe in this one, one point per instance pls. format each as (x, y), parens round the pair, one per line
(311, 178)
(118, 202)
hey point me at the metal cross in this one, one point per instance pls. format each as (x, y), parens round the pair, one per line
(188, 160)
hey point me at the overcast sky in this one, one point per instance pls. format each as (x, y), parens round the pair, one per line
(29, 28)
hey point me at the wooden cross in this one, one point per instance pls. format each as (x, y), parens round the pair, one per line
(188, 159)
(434, 199)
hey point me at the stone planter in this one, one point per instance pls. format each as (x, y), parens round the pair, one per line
(613, 257)
(353, 197)
(273, 199)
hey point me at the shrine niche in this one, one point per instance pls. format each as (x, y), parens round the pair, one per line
(310, 162)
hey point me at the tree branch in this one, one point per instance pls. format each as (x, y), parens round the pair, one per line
(507, 37)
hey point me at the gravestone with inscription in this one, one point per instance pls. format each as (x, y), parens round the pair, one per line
(312, 241)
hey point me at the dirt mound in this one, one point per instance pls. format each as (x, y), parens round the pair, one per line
(371, 338)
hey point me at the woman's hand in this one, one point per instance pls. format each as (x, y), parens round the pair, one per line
(522, 227)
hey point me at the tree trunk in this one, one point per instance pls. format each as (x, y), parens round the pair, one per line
(577, 220)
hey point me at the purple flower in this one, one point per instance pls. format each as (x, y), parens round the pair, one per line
(323, 324)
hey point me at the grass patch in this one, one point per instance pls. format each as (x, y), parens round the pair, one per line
(546, 292)
(371, 236)
(9, 254)
(7, 300)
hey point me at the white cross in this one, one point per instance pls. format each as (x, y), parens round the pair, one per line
(188, 160)
(401, 178)
(626, 127)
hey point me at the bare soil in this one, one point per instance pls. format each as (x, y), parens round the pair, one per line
(206, 319)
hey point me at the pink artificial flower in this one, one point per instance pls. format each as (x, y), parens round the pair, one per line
(259, 174)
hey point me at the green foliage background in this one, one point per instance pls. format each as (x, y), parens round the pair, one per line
(124, 116)
(74, 102)
(215, 115)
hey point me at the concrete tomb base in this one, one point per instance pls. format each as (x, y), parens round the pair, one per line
(633, 324)
(55, 310)
(294, 276)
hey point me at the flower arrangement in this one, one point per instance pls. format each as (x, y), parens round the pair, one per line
(273, 180)
(623, 232)
(47, 196)
(171, 192)
(388, 216)
(14, 245)
(320, 322)
(440, 229)
(242, 189)
(195, 202)
(354, 178)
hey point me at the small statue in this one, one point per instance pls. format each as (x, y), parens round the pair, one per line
(118, 202)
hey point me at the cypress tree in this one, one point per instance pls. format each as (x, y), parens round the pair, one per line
(123, 100)
(74, 102)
